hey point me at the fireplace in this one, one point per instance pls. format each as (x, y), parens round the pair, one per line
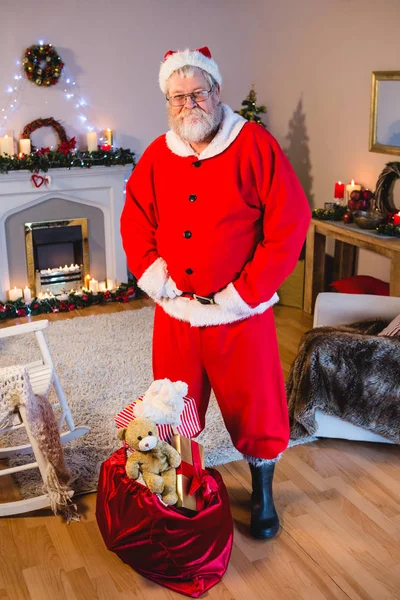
(57, 255)
(96, 194)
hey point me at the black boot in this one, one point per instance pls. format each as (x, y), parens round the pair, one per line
(264, 518)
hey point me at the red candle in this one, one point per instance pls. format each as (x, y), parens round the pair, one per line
(106, 147)
(396, 219)
(339, 190)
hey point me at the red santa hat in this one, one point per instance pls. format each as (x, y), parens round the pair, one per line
(176, 59)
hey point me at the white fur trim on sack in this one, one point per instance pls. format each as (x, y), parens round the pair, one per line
(202, 315)
(153, 279)
(180, 59)
(232, 124)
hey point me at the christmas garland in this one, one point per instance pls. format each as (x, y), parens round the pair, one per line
(389, 229)
(45, 159)
(65, 144)
(331, 214)
(42, 65)
(384, 188)
(18, 308)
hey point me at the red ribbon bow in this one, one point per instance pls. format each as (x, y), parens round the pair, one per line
(204, 484)
(204, 50)
(201, 481)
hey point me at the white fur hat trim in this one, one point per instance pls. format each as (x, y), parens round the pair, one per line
(174, 60)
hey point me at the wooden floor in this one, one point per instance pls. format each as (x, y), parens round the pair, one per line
(340, 510)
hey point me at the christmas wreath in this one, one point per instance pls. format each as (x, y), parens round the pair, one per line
(42, 64)
(65, 144)
(384, 188)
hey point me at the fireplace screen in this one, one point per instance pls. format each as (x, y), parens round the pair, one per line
(57, 255)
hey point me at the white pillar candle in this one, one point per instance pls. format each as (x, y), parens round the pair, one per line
(350, 187)
(15, 294)
(3, 142)
(7, 146)
(11, 149)
(27, 295)
(110, 284)
(92, 141)
(108, 134)
(102, 286)
(94, 286)
(25, 146)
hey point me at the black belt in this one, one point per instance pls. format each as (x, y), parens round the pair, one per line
(202, 299)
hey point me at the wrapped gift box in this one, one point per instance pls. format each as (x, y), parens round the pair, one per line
(190, 422)
(194, 484)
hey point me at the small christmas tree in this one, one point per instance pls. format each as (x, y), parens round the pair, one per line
(251, 111)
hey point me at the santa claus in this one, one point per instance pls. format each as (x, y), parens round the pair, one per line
(214, 221)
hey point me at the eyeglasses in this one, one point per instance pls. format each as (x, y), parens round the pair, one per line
(180, 99)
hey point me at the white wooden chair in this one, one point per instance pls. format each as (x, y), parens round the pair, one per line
(42, 375)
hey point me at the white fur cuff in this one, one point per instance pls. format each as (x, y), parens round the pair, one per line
(230, 299)
(259, 462)
(153, 279)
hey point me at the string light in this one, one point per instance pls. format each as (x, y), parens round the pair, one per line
(70, 91)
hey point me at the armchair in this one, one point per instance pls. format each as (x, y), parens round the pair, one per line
(340, 309)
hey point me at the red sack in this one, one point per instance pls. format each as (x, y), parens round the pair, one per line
(184, 551)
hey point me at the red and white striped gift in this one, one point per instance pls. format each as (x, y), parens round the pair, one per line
(189, 427)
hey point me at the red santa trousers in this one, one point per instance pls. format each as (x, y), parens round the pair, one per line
(240, 362)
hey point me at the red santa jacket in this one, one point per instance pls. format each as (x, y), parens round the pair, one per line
(230, 221)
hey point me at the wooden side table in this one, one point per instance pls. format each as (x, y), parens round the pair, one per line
(347, 239)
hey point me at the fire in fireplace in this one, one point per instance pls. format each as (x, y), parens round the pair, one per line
(57, 255)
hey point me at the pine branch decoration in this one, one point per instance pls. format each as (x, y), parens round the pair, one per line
(250, 110)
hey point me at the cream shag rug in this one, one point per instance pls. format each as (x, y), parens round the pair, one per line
(104, 363)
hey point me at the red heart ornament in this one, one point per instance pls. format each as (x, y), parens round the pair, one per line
(38, 180)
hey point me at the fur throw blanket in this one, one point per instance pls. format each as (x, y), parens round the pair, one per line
(348, 372)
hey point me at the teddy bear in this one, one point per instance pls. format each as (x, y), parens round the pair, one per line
(163, 402)
(153, 458)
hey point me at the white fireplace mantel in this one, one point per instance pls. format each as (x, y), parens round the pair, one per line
(102, 187)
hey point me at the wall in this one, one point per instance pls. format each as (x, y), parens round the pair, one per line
(311, 62)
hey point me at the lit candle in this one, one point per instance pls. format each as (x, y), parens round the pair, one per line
(396, 219)
(92, 141)
(27, 295)
(25, 146)
(102, 286)
(94, 286)
(350, 187)
(110, 284)
(15, 294)
(108, 134)
(339, 190)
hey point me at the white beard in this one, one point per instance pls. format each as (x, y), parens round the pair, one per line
(195, 125)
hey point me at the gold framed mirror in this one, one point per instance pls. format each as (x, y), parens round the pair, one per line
(384, 130)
